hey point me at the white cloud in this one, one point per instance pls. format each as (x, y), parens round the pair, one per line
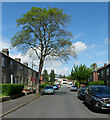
(99, 62)
(92, 46)
(79, 47)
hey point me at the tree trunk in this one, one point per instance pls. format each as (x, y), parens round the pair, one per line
(39, 74)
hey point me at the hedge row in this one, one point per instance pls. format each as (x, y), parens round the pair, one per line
(96, 83)
(11, 89)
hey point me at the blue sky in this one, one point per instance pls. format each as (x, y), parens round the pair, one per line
(89, 26)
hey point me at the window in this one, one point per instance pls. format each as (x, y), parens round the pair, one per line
(3, 78)
(108, 71)
(21, 67)
(3, 62)
(11, 64)
(102, 73)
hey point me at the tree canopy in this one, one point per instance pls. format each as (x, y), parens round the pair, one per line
(52, 76)
(44, 32)
(81, 73)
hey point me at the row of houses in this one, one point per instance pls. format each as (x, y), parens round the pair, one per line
(13, 71)
(102, 73)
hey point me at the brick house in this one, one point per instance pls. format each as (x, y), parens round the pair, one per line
(13, 71)
(102, 73)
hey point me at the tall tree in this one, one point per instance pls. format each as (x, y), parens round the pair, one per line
(45, 75)
(44, 31)
(52, 76)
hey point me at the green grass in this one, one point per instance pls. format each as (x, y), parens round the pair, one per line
(2, 95)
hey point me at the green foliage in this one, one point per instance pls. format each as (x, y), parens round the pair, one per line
(11, 89)
(45, 75)
(96, 83)
(52, 76)
(43, 31)
(81, 73)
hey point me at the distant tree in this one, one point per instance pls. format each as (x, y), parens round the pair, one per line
(82, 72)
(72, 74)
(64, 76)
(45, 75)
(43, 31)
(52, 76)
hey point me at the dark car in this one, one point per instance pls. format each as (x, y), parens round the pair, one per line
(55, 87)
(80, 93)
(98, 97)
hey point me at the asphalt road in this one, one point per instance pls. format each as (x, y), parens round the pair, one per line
(63, 104)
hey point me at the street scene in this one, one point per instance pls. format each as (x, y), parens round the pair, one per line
(63, 104)
(55, 60)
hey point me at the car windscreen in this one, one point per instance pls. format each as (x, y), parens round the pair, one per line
(48, 87)
(83, 88)
(101, 90)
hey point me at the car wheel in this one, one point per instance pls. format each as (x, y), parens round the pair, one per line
(93, 108)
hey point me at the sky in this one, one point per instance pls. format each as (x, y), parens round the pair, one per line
(89, 27)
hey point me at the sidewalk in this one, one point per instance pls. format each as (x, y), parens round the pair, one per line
(11, 104)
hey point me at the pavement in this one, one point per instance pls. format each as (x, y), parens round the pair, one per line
(14, 104)
(62, 104)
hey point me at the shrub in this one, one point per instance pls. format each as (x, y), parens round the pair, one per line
(96, 83)
(11, 89)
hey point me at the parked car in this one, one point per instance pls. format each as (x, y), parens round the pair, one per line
(58, 85)
(49, 90)
(73, 88)
(80, 93)
(69, 86)
(98, 97)
(55, 87)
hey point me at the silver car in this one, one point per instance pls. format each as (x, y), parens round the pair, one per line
(73, 88)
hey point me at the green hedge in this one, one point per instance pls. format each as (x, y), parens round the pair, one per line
(11, 89)
(96, 83)
(42, 86)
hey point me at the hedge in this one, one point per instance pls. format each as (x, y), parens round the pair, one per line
(96, 83)
(11, 89)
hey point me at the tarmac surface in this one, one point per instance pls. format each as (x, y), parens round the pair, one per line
(62, 104)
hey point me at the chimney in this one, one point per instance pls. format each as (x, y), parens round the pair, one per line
(105, 64)
(5, 51)
(26, 64)
(18, 59)
(95, 66)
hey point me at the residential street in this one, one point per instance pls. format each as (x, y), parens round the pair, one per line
(63, 104)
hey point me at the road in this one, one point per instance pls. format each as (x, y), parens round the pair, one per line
(63, 104)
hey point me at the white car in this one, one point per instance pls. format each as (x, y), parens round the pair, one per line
(73, 88)
(70, 85)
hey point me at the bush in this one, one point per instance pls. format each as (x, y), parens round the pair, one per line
(96, 83)
(11, 89)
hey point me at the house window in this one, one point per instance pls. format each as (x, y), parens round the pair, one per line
(11, 64)
(21, 67)
(102, 73)
(3, 78)
(3, 62)
(108, 71)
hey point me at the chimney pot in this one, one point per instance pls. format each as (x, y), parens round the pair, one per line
(5, 51)
(26, 64)
(18, 59)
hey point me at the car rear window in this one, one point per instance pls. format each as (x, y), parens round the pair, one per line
(48, 87)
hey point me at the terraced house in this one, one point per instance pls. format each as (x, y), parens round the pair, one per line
(102, 73)
(13, 71)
